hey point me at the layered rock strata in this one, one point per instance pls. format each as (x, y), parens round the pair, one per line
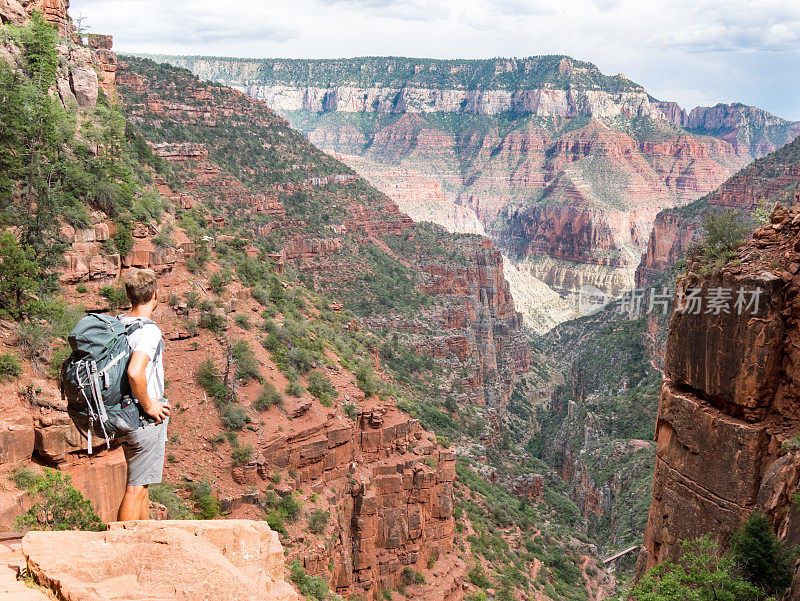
(728, 405)
(772, 178)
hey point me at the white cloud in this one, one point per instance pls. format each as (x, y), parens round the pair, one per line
(685, 50)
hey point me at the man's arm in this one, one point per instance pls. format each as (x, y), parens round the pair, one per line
(137, 376)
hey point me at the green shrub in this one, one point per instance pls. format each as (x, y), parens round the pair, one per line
(234, 417)
(242, 455)
(294, 388)
(207, 507)
(192, 299)
(301, 359)
(268, 397)
(10, 368)
(243, 321)
(701, 574)
(81, 288)
(213, 321)
(164, 239)
(20, 275)
(166, 495)
(289, 507)
(275, 522)
(365, 378)
(57, 358)
(313, 588)
(247, 366)
(760, 557)
(351, 410)
(477, 576)
(261, 295)
(56, 504)
(34, 340)
(212, 383)
(409, 576)
(723, 233)
(276, 291)
(320, 387)
(318, 521)
(24, 478)
(219, 280)
(123, 238)
(199, 489)
(115, 296)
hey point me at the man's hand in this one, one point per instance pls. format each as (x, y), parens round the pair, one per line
(157, 409)
(137, 376)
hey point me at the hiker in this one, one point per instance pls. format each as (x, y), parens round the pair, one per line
(144, 446)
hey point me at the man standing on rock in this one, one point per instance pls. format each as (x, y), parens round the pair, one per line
(144, 447)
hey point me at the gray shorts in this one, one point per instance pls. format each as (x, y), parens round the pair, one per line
(144, 453)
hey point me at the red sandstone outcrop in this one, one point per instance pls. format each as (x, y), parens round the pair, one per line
(728, 402)
(669, 239)
(391, 486)
(55, 12)
(170, 560)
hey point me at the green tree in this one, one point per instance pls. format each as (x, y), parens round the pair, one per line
(723, 233)
(33, 129)
(701, 574)
(57, 505)
(19, 275)
(760, 557)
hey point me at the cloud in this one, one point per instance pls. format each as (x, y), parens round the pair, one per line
(683, 50)
(522, 7)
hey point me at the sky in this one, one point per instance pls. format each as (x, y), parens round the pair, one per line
(695, 52)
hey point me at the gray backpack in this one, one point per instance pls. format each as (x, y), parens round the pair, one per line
(94, 378)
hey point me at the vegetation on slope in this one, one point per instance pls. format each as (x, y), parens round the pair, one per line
(756, 568)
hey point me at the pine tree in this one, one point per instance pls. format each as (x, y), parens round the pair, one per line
(760, 557)
(19, 276)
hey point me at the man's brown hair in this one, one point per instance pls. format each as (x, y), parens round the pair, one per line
(140, 286)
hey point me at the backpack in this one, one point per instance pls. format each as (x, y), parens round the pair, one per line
(94, 378)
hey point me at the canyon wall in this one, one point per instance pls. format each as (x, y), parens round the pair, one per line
(557, 161)
(728, 405)
(772, 178)
(405, 85)
(743, 126)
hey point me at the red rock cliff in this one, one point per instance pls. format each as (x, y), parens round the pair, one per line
(729, 401)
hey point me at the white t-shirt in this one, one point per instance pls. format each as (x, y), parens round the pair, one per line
(147, 338)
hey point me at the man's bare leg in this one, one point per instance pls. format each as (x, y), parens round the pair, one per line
(144, 508)
(131, 507)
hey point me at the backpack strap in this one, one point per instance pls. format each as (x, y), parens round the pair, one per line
(135, 325)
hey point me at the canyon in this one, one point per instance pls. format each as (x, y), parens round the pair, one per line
(392, 425)
(359, 456)
(563, 167)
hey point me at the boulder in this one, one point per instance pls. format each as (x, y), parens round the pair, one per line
(101, 478)
(231, 560)
(11, 11)
(84, 85)
(16, 439)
